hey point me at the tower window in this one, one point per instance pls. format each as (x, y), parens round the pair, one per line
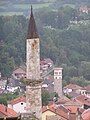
(59, 72)
(56, 73)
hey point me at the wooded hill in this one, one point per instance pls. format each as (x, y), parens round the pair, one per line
(68, 45)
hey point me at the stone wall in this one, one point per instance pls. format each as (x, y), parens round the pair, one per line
(58, 81)
(33, 98)
(33, 59)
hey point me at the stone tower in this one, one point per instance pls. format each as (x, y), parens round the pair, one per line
(33, 87)
(58, 81)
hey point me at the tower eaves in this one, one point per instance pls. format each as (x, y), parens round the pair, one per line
(32, 29)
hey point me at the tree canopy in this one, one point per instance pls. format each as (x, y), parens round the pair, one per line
(68, 45)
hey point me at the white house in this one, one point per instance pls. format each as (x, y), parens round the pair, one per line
(3, 84)
(18, 104)
(12, 89)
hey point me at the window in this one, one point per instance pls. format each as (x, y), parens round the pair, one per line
(59, 72)
(60, 77)
(56, 73)
(21, 103)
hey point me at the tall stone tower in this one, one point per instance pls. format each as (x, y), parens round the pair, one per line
(33, 87)
(58, 81)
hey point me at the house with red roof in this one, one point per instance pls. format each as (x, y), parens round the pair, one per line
(86, 114)
(84, 100)
(72, 90)
(54, 112)
(18, 104)
(86, 91)
(7, 112)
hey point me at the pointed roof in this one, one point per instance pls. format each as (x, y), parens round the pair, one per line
(32, 30)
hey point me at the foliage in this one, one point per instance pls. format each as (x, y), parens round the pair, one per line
(45, 97)
(13, 43)
(3, 101)
(7, 97)
(68, 96)
(68, 45)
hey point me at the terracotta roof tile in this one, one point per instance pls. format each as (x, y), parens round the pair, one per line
(72, 109)
(86, 114)
(87, 88)
(83, 99)
(7, 111)
(63, 100)
(17, 100)
(59, 110)
(73, 86)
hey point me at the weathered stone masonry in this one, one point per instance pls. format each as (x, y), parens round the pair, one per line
(33, 87)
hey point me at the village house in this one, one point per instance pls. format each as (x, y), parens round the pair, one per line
(84, 9)
(3, 84)
(55, 112)
(83, 100)
(19, 73)
(47, 84)
(86, 91)
(7, 112)
(67, 110)
(86, 115)
(45, 64)
(72, 90)
(18, 104)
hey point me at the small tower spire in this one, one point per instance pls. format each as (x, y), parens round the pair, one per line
(32, 30)
(31, 10)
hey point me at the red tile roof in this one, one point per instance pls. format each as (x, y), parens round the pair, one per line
(17, 100)
(81, 110)
(19, 70)
(59, 110)
(72, 109)
(5, 111)
(63, 100)
(83, 99)
(87, 88)
(73, 103)
(86, 114)
(73, 86)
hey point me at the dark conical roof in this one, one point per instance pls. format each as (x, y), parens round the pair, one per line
(32, 30)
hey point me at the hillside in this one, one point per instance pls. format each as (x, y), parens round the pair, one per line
(65, 38)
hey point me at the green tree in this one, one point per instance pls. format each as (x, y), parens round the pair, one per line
(45, 97)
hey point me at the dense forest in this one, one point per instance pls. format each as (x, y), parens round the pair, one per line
(67, 44)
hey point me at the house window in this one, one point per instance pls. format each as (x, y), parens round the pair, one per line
(21, 103)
